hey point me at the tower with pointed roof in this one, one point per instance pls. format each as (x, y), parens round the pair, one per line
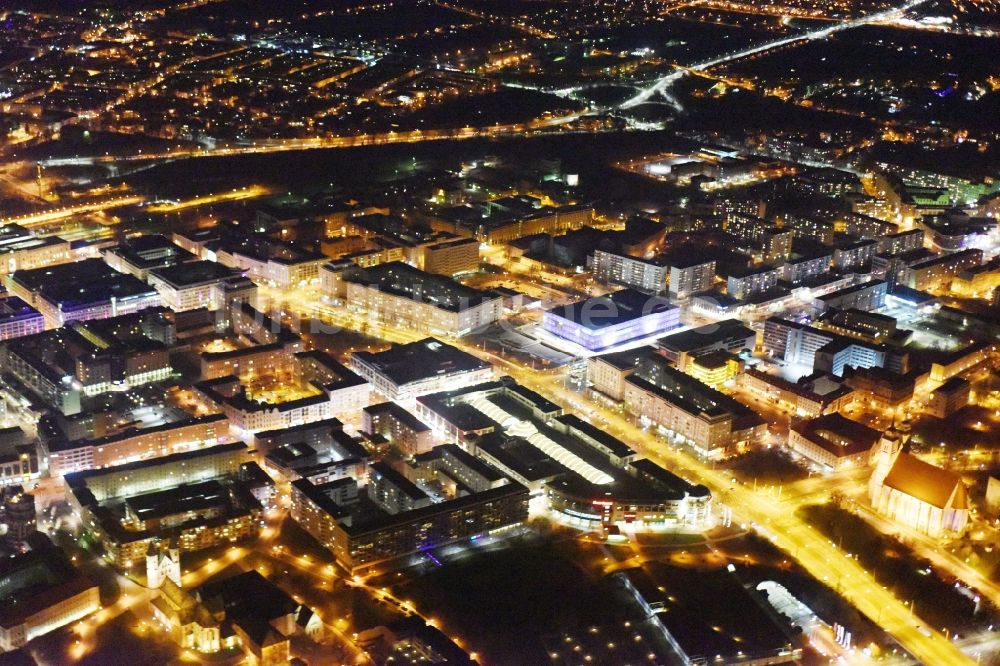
(162, 564)
(883, 457)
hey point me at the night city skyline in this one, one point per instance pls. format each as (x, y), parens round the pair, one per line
(500, 332)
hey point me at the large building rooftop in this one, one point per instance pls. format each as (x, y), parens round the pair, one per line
(708, 335)
(838, 435)
(193, 273)
(401, 279)
(621, 306)
(424, 359)
(80, 284)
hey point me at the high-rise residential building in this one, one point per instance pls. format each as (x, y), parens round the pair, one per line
(451, 257)
(615, 268)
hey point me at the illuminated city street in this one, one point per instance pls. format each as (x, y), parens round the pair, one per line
(473, 332)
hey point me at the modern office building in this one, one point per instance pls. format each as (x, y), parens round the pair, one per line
(271, 262)
(715, 368)
(30, 376)
(818, 349)
(509, 218)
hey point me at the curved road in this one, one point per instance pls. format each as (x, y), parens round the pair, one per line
(661, 85)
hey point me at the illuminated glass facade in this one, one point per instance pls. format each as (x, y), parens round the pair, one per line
(608, 321)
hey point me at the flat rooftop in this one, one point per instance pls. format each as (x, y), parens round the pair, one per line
(399, 279)
(737, 628)
(425, 359)
(953, 385)
(475, 464)
(269, 249)
(13, 307)
(398, 413)
(179, 499)
(683, 258)
(704, 336)
(621, 306)
(386, 521)
(82, 283)
(193, 273)
(846, 291)
(397, 480)
(692, 395)
(144, 432)
(838, 435)
(64, 274)
(713, 359)
(629, 358)
(151, 251)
